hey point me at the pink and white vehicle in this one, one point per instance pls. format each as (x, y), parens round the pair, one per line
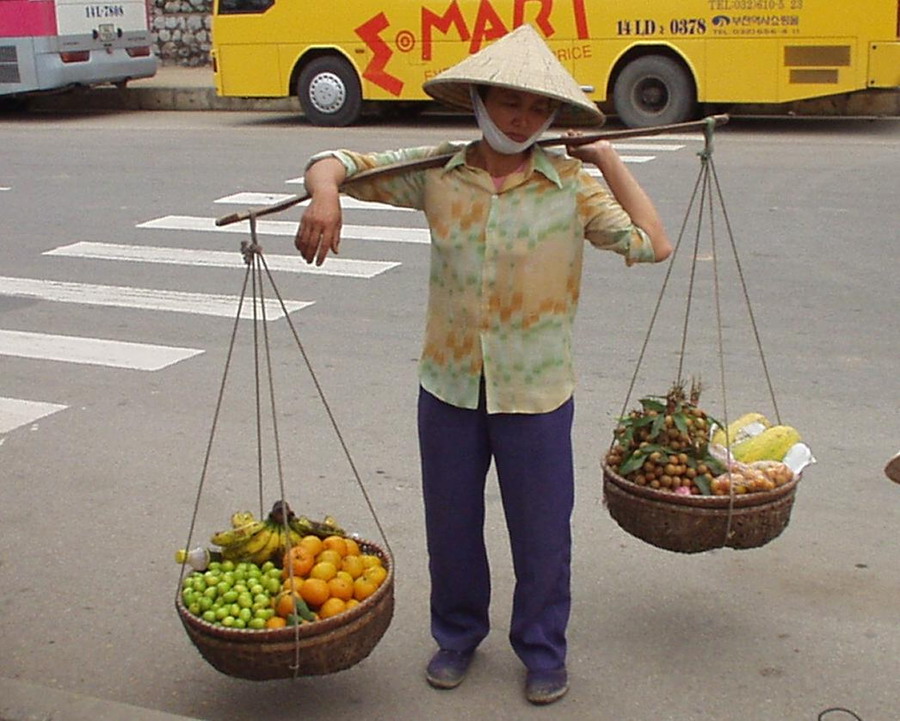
(54, 44)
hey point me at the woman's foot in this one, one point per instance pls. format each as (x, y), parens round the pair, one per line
(543, 687)
(447, 669)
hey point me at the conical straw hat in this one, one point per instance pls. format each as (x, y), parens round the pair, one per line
(519, 60)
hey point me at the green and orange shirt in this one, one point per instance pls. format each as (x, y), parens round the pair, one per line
(505, 268)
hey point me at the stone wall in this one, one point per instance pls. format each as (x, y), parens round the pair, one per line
(181, 31)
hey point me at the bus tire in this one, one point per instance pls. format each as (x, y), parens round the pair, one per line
(330, 92)
(654, 90)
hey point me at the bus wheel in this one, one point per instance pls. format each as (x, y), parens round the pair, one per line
(653, 90)
(329, 92)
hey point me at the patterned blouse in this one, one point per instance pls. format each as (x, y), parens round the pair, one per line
(505, 269)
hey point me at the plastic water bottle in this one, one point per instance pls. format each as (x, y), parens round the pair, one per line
(197, 558)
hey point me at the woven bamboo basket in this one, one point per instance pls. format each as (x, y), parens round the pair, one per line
(692, 524)
(312, 649)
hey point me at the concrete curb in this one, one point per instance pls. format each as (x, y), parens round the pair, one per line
(24, 701)
(157, 98)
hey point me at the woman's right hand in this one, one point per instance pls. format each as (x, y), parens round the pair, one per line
(320, 227)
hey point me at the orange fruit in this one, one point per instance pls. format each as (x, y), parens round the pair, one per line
(312, 543)
(331, 556)
(352, 547)
(376, 574)
(336, 543)
(332, 607)
(352, 603)
(353, 565)
(292, 584)
(276, 622)
(300, 559)
(341, 588)
(324, 570)
(363, 587)
(345, 575)
(370, 559)
(315, 591)
(284, 604)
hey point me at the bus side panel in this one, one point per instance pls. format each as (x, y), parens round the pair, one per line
(740, 70)
(816, 67)
(253, 71)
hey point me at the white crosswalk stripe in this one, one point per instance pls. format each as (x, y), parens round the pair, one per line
(15, 412)
(141, 298)
(347, 203)
(92, 351)
(391, 234)
(220, 259)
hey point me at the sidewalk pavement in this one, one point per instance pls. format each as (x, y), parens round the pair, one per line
(24, 701)
(182, 88)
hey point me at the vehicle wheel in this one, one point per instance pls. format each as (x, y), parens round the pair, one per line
(329, 92)
(654, 90)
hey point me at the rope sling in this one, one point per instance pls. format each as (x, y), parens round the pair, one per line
(286, 661)
(700, 523)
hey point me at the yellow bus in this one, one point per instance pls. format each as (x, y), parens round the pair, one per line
(656, 61)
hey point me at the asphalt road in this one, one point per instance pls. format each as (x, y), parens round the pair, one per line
(99, 488)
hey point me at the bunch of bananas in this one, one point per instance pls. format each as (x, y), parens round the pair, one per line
(258, 541)
(328, 526)
(254, 540)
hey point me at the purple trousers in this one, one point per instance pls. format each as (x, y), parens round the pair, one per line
(533, 458)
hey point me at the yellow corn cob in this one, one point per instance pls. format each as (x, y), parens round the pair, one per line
(770, 445)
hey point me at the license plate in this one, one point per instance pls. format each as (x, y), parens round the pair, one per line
(107, 32)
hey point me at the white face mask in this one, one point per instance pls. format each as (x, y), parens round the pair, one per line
(496, 138)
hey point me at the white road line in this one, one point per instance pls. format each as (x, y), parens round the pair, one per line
(347, 203)
(5, 188)
(92, 351)
(224, 306)
(15, 412)
(645, 147)
(288, 228)
(633, 159)
(220, 259)
(255, 198)
(681, 137)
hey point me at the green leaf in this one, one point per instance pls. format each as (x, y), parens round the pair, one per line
(634, 461)
(702, 482)
(680, 422)
(650, 404)
(659, 423)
